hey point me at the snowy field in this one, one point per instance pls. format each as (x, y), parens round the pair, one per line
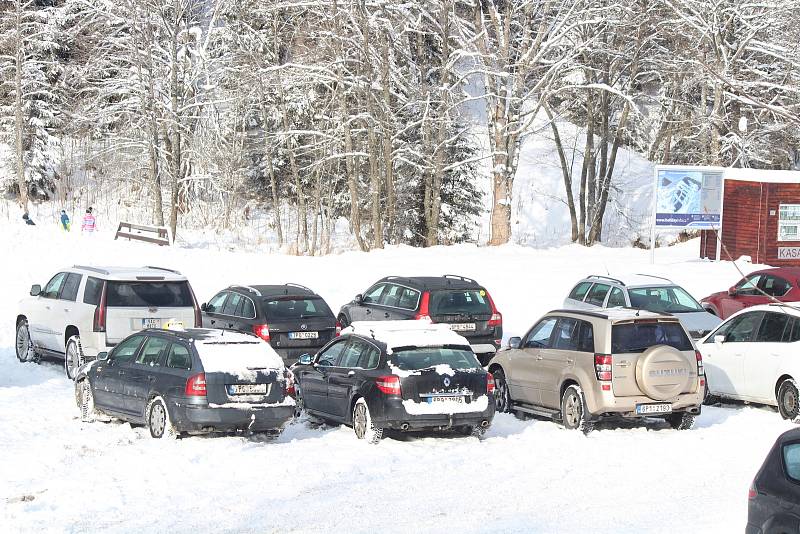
(58, 474)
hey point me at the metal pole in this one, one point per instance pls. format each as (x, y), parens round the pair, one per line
(653, 221)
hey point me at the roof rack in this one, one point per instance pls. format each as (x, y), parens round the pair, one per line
(162, 269)
(654, 276)
(301, 286)
(581, 312)
(92, 269)
(458, 277)
(246, 288)
(620, 282)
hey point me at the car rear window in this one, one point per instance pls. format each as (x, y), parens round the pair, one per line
(149, 294)
(467, 301)
(288, 308)
(640, 336)
(414, 359)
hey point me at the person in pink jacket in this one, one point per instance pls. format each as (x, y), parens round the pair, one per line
(89, 224)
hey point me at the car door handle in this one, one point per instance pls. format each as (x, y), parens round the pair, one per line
(351, 373)
(120, 372)
(368, 312)
(151, 378)
(386, 314)
(570, 360)
(539, 357)
(67, 310)
(213, 321)
(47, 307)
(230, 325)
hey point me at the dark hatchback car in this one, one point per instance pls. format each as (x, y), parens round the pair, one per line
(404, 376)
(774, 497)
(461, 302)
(291, 317)
(193, 381)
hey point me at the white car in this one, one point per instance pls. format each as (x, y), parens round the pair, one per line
(753, 356)
(83, 311)
(645, 292)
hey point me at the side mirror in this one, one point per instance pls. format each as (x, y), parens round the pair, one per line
(514, 342)
(204, 307)
(36, 290)
(719, 339)
(305, 359)
(359, 299)
(102, 356)
(732, 292)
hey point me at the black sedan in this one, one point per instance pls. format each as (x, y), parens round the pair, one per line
(192, 381)
(290, 317)
(775, 494)
(375, 377)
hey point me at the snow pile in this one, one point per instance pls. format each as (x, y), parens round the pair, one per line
(236, 354)
(407, 333)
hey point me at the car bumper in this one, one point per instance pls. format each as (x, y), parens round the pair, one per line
(395, 416)
(203, 418)
(605, 403)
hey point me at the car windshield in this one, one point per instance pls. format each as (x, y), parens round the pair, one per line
(465, 301)
(288, 308)
(668, 299)
(416, 358)
(149, 294)
(640, 336)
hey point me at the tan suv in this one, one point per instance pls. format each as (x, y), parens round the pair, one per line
(577, 367)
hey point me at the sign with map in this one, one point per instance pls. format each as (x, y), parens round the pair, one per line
(688, 197)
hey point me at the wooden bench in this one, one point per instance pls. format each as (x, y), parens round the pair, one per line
(142, 232)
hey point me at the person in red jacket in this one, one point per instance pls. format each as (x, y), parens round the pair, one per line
(89, 225)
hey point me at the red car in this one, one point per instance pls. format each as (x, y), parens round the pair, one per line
(782, 283)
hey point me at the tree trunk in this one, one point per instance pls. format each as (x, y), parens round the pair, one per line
(566, 173)
(388, 163)
(19, 124)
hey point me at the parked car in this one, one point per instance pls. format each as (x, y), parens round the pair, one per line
(461, 302)
(645, 292)
(578, 367)
(194, 381)
(774, 496)
(760, 287)
(83, 311)
(399, 375)
(752, 356)
(292, 318)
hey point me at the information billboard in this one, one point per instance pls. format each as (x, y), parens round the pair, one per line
(688, 197)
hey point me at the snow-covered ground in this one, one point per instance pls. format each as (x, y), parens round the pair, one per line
(59, 474)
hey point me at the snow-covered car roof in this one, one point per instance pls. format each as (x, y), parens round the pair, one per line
(224, 351)
(147, 273)
(632, 280)
(407, 333)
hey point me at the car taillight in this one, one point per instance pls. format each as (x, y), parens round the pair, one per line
(262, 331)
(196, 386)
(338, 328)
(489, 383)
(289, 388)
(423, 313)
(99, 323)
(752, 492)
(389, 384)
(700, 371)
(497, 318)
(602, 366)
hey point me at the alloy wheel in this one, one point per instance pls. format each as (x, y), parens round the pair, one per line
(572, 410)
(24, 348)
(158, 420)
(360, 420)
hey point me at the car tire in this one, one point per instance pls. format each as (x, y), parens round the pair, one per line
(789, 400)
(24, 345)
(157, 419)
(363, 426)
(680, 421)
(343, 321)
(86, 401)
(502, 396)
(299, 405)
(573, 410)
(73, 357)
(476, 431)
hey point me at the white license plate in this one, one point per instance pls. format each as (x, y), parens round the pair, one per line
(462, 327)
(151, 323)
(303, 335)
(644, 409)
(445, 400)
(248, 389)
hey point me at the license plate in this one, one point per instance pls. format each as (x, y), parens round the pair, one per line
(247, 389)
(644, 409)
(151, 323)
(463, 327)
(445, 400)
(303, 335)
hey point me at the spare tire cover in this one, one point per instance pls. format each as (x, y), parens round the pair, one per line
(663, 372)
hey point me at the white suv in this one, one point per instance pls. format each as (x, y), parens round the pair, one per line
(83, 311)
